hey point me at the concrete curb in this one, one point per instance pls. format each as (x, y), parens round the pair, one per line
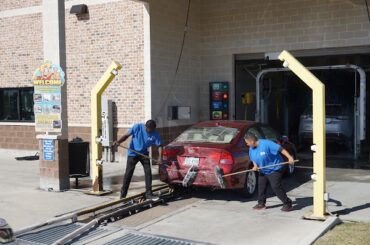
(322, 229)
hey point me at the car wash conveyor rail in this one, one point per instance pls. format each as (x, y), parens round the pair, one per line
(126, 203)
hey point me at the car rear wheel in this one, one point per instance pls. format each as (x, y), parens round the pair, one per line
(250, 186)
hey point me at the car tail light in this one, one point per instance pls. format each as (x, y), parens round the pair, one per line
(168, 154)
(226, 161)
(226, 158)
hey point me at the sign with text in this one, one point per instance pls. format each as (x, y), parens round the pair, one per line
(48, 80)
(48, 149)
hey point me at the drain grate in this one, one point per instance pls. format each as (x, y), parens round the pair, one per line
(99, 235)
(53, 234)
(141, 239)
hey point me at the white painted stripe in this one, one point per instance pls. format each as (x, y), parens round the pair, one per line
(87, 125)
(16, 124)
(21, 11)
(68, 5)
(69, 125)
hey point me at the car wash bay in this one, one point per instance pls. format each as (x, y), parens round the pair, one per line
(286, 100)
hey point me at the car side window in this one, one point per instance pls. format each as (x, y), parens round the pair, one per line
(269, 133)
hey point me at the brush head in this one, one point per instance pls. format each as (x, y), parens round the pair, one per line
(6, 233)
(219, 176)
(190, 177)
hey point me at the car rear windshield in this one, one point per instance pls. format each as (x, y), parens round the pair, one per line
(331, 110)
(221, 135)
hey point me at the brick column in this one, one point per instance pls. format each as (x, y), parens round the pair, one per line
(54, 174)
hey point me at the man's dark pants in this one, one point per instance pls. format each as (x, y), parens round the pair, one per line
(130, 167)
(274, 179)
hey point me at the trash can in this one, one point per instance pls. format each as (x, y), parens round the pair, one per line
(79, 159)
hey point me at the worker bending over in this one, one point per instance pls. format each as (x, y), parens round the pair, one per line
(143, 137)
(265, 153)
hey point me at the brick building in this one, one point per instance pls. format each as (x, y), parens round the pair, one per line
(225, 41)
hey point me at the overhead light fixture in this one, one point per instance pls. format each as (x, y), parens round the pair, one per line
(79, 9)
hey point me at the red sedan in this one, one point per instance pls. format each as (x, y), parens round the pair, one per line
(216, 143)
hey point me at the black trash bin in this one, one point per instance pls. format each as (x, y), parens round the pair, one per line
(79, 159)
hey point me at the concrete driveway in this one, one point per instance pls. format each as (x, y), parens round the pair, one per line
(219, 217)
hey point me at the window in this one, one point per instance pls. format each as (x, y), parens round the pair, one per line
(220, 135)
(16, 105)
(269, 133)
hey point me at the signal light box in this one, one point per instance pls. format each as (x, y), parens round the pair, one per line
(219, 100)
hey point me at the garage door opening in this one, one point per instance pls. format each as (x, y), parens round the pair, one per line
(285, 102)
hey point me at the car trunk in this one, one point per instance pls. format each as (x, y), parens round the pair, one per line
(203, 156)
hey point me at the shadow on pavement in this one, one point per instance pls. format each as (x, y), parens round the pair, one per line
(300, 177)
(353, 209)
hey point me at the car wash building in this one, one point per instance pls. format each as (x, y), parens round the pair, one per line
(186, 61)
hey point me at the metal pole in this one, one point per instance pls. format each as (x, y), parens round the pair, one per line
(319, 136)
(96, 148)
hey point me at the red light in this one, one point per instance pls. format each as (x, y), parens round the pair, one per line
(226, 158)
(168, 154)
(225, 96)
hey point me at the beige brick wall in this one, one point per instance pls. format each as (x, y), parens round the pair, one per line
(217, 30)
(245, 26)
(18, 137)
(112, 31)
(167, 25)
(21, 49)
(15, 4)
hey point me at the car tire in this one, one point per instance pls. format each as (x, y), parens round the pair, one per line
(250, 185)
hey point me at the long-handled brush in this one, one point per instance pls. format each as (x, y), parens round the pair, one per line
(220, 176)
(189, 177)
(140, 154)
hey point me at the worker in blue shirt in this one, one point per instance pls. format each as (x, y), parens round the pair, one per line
(143, 137)
(265, 153)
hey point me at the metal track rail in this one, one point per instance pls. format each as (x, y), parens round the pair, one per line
(73, 216)
(135, 206)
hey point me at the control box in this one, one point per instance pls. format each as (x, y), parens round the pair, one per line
(219, 100)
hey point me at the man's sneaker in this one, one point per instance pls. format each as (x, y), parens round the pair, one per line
(259, 206)
(287, 207)
(151, 197)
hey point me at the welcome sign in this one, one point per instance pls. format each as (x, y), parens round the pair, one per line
(48, 80)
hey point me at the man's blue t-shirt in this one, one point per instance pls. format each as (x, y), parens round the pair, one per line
(141, 139)
(265, 154)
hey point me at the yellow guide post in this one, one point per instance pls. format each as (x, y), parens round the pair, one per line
(319, 137)
(96, 148)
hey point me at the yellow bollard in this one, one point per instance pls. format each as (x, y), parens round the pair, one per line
(96, 148)
(319, 137)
